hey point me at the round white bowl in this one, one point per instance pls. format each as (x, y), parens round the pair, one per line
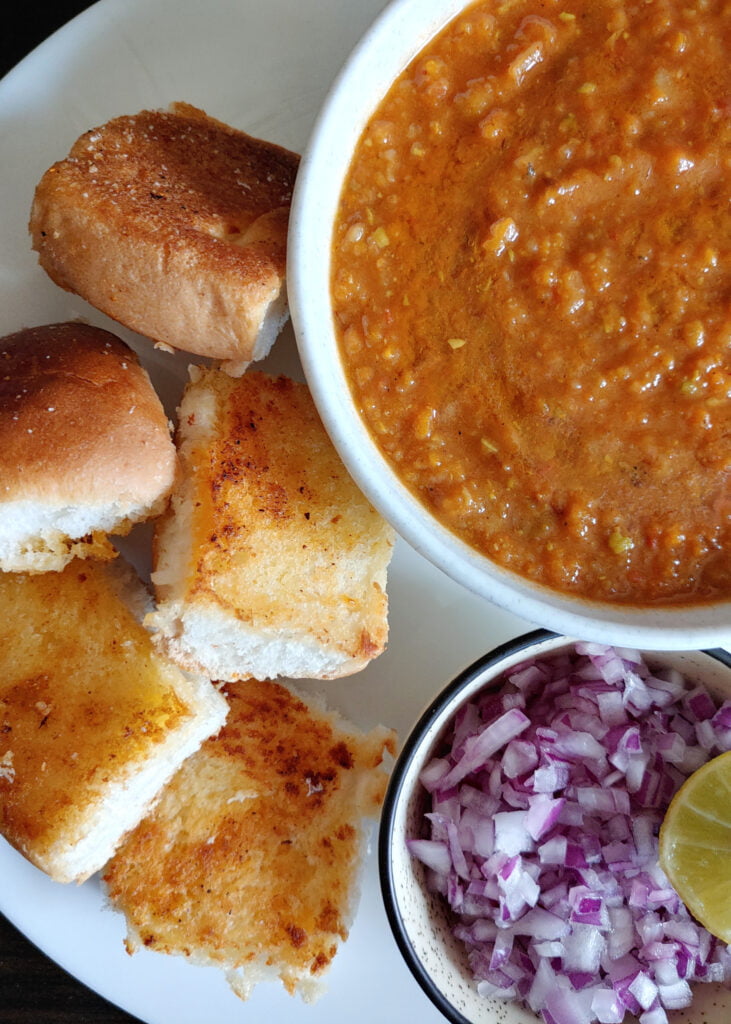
(402, 30)
(420, 920)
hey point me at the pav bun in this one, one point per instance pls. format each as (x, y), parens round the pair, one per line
(251, 860)
(93, 721)
(269, 562)
(85, 445)
(175, 225)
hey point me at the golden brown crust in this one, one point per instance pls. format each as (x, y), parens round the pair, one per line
(86, 704)
(80, 421)
(250, 859)
(269, 537)
(172, 223)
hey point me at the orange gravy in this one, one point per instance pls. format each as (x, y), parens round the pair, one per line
(532, 292)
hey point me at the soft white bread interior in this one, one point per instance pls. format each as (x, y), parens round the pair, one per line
(93, 720)
(175, 225)
(250, 861)
(269, 561)
(85, 445)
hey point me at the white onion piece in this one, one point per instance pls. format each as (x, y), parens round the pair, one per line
(546, 803)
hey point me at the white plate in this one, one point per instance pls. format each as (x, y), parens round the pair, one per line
(265, 68)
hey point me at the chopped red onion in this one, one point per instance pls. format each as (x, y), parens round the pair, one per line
(432, 853)
(656, 1015)
(519, 758)
(546, 803)
(511, 834)
(542, 814)
(606, 1006)
(480, 746)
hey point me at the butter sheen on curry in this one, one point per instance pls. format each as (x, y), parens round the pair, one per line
(532, 294)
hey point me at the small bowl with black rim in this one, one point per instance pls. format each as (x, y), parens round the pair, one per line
(422, 920)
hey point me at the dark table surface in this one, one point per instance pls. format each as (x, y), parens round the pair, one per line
(33, 989)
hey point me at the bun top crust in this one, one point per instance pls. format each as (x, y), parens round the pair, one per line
(175, 225)
(80, 422)
(189, 178)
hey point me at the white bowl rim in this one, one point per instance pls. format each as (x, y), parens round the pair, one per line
(433, 719)
(357, 89)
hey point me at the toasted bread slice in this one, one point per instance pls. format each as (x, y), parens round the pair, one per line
(251, 859)
(93, 721)
(269, 562)
(175, 225)
(85, 446)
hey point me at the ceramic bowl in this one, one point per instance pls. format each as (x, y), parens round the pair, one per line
(398, 35)
(420, 920)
